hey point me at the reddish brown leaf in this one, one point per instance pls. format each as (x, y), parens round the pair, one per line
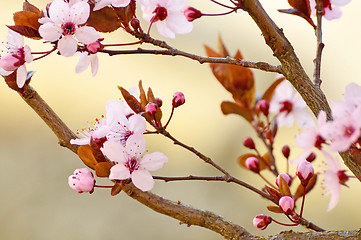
(268, 94)
(238, 80)
(98, 155)
(86, 155)
(309, 187)
(295, 12)
(28, 19)
(102, 169)
(274, 194)
(31, 8)
(274, 209)
(116, 189)
(127, 13)
(104, 20)
(132, 102)
(231, 107)
(142, 96)
(26, 31)
(284, 188)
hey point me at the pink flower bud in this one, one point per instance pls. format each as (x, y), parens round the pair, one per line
(82, 180)
(178, 99)
(158, 102)
(151, 108)
(304, 171)
(94, 47)
(286, 151)
(263, 106)
(135, 23)
(249, 143)
(192, 13)
(252, 164)
(311, 157)
(261, 221)
(285, 176)
(9, 62)
(287, 204)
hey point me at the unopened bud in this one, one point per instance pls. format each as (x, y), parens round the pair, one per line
(191, 14)
(252, 164)
(304, 171)
(285, 176)
(286, 151)
(135, 23)
(158, 102)
(178, 99)
(311, 157)
(82, 180)
(263, 106)
(151, 108)
(261, 221)
(287, 204)
(94, 47)
(249, 143)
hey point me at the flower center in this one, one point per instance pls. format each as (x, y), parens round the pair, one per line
(327, 4)
(349, 131)
(287, 107)
(68, 28)
(319, 141)
(160, 14)
(342, 177)
(132, 164)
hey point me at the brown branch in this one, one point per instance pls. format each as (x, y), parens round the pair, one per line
(292, 68)
(201, 59)
(320, 45)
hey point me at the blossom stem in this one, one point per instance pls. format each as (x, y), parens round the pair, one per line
(170, 117)
(122, 44)
(45, 54)
(219, 14)
(303, 200)
(284, 224)
(99, 186)
(268, 182)
(221, 4)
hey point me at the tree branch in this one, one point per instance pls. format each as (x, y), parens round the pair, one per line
(320, 45)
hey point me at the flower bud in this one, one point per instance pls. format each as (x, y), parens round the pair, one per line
(286, 151)
(263, 106)
(287, 204)
(158, 102)
(151, 108)
(9, 62)
(82, 180)
(178, 99)
(285, 176)
(249, 143)
(311, 157)
(304, 171)
(135, 23)
(261, 221)
(192, 14)
(252, 164)
(94, 47)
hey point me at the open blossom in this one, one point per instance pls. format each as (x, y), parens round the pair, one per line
(85, 60)
(63, 24)
(289, 106)
(18, 54)
(331, 8)
(115, 3)
(82, 180)
(166, 15)
(131, 164)
(334, 177)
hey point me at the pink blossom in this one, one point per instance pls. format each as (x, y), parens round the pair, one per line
(178, 99)
(82, 180)
(287, 204)
(249, 143)
(151, 108)
(15, 60)
(334, 177)
(261, 221)
(115, 3)
(131, 164)
(290, 107)
(304, 171)
(192, 13)
(252, 164)
(166, 15)
(331, 8)
(64, 22)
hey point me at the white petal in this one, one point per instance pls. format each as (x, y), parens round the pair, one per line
(79, 13)
(120, 3)
(50, 31)
(102, 4)
(15, 39)
(115, 112)
(87, 34)
(143, 180)
(28, 56)
(135, 145)
(5, 73)
(332, 14)
(340, 2)
(67, 46)
(175, 5)
(59, 12)
(334, 188)
(80, 141)
(83, 63)
(94, 63)
(114, 151)
(21, 75)
(178, 23)
(153, 161)
(137, 124)
(164, 30)
(119, 172)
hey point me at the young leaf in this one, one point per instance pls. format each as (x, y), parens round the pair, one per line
(274, 194)
(142, 96)
(235, 108)
(275, 209)
(116, 189)
(309, 187)
(267, 95)
(104, 20)
(31, 8)
(85, 153)
(284, 188)
(26, 31)
(127, 13)
(102, 169)
(98, 155)
(132, 102)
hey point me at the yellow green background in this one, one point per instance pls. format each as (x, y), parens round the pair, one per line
(35, 200)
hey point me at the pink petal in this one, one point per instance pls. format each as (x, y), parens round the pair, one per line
(87, 34)
(114, 151)
(15, 39)
(178, 23)
(28, 56)
(340, 2)
(143, 180)
(67, 46)
(334, 188)
(79, 13)
(163, 30)
(119, 172)
(333, 14)
(21, 75)
(59, 12)
(94, 63)
(80, 141)
(153, 161)
(83, 63)
(50, 32)
(120, 3)
(135, 145)
(101, 4)
(137, 124)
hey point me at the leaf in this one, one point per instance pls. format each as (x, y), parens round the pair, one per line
(158, 114)
(238, 80)
(274, 194)
(116, 189)
(284, 188)
(104, 20)
(296, 12)
(28, 19)
(98, 155)
(31, 8)
(127, 13)
(102, 169)
(268, 94)
(142, 96)
(26, 32)
(132, 102)
(309, 187)
(275, 209)
(301, 5)
(231, 107)
(86, 155)
(242, 161)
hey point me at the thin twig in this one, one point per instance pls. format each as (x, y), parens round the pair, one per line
(320, 44)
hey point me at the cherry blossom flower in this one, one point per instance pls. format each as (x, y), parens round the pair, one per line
(82, 180)
(261, 221)
(85, 60)
(334, 177)
(290, 107)
(166, 15)
(18, 54)
(178, 99)
(131, 164)
(331, 8)
(304, 171)
(63, 23)
(287, 204)
(115, 3)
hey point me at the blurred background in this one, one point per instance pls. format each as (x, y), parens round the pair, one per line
(36, 202)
